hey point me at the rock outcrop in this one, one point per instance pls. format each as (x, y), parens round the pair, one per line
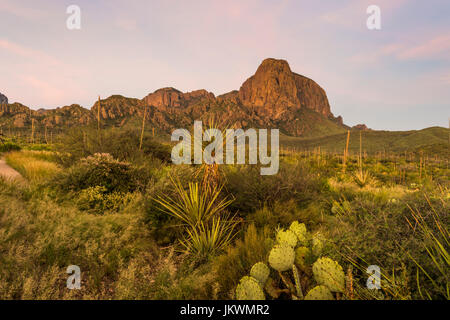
(3, 99)
(171, 97)
(361, 127)
(274, 97)
(275, 90)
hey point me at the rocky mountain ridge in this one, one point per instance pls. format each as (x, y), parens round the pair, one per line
(274, 97)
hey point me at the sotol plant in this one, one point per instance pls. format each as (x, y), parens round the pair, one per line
(208, 228)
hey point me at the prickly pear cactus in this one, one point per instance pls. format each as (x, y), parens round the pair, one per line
(329, 273)
(300, 231)
(282, 257)
(300, 257)
(249, 289)
(317, 244)
(260, 272)
(287, 237)
(319, 293)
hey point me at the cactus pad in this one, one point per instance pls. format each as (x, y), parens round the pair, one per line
(317, 244)
(319, 293)
(300, 257)
(249, 289)
(329, 273)
(300, 231)
(281, 257)
(287, 237)
(260, 272)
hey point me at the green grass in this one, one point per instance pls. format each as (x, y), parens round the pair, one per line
(377, 141)
(127, 248)
(33, 165)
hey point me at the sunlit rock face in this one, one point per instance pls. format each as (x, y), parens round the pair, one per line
(275, 90)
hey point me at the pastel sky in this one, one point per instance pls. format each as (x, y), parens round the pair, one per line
(396, 78)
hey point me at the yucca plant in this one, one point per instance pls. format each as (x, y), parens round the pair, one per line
(193, 206)
(209, 173)
(209, 238)
(362, 177)
(208, 228)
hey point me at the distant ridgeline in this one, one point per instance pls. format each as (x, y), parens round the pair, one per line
(274, 97)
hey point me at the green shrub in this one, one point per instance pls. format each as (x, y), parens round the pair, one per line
(97, 200)
(104, 171)
(39, 147)
(283, 213)
(9, 146)
(252, 191)
(238, 260)
(377, 232)
(122, 144)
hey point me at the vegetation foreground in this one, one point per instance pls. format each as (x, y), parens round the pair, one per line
(141, 228)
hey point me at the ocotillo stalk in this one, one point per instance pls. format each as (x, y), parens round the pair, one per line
(98, 121)
(360, 146)
(346, 150)
(84, 140)
(32, 130)
(143, 128)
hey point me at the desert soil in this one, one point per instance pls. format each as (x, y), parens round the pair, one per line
(8, 172)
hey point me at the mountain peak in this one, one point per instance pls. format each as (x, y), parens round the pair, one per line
(274, 90)
(274, 97)
(171, 97)
(275, 65)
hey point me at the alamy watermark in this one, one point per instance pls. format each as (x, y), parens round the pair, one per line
(374, 20)
(214, 152)
(73, 22)
(74, 280)
(374, 280)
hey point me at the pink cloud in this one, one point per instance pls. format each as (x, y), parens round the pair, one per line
(354, 13)
(126, 24)
(47, 80)
(25, 52)
(24, 11)
(438, 46)
(48, 92)
(377, 55)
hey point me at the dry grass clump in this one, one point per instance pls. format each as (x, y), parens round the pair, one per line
(39, 239)
(33, 165)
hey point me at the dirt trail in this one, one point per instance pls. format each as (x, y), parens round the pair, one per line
(7, 172)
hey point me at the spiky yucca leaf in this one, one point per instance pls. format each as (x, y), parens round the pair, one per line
(362, 178)
(436, 245)
(193, 206)
(206, 239)
(208, 228)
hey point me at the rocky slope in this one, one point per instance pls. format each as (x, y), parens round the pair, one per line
(274, 90)
(3, 98)
(274, 97)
